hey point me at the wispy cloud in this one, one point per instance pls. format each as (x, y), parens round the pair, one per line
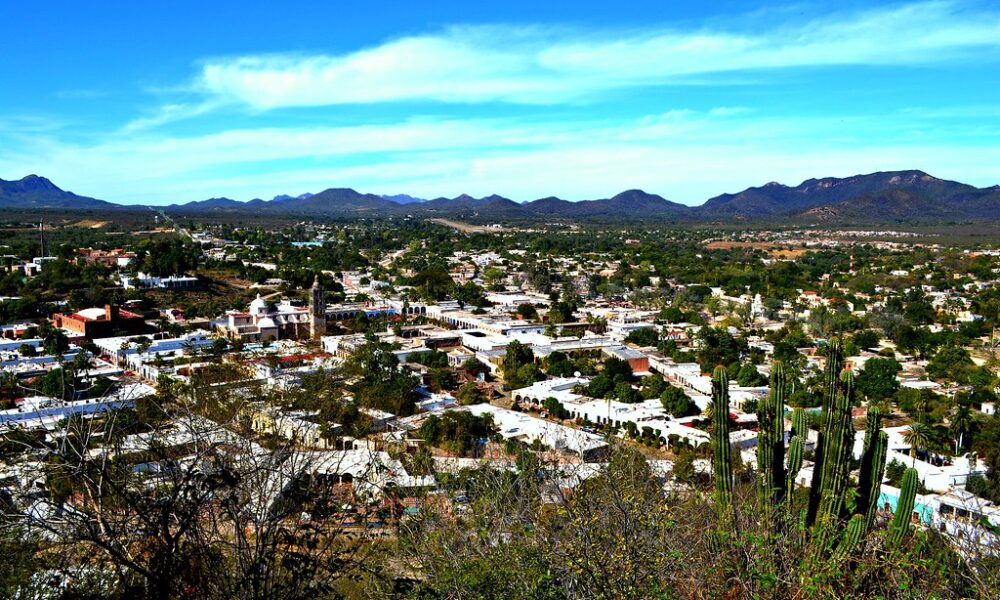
(537, 65)
(17, 125)
(168, 113)
(686, 155)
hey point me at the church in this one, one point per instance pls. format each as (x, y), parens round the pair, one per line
(283, 321)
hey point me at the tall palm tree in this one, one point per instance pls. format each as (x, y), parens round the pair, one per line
(961, 423)
(917, 436)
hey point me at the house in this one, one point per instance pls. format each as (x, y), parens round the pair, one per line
(143, 280)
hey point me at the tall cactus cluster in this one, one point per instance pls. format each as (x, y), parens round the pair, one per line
(833, 504)
(723, 461)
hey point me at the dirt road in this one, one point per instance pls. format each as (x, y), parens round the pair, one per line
(465, 227)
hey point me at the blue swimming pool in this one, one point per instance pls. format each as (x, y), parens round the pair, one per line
(926, 512)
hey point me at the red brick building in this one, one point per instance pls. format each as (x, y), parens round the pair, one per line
(101, 322)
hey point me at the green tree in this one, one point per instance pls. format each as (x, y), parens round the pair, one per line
(517, 355)
(471, 294)
(677, 403)
(54, 341)
(527, 312)
(558, 364)
(457, 431)
(877, 380)
(718, 347)
(470, 394)
(646, 336)
(672, 314)
(952, 363)
(866, 339)
(617, 369)
(749, 376)
(377, 381)
(555, 408)
(626, 393)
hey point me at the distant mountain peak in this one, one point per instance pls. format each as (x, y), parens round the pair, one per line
(35, 191)
(286, 197)
(497, 198)
(30, 183)
(636, 195)
(403, 198)
(896, 195)
(37, 182)
(910, 177)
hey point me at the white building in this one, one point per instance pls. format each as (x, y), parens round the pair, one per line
(143, 280)
(519, 426)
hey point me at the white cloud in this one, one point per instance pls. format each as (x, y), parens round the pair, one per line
(535, 65)
(685, 155)
(169, 113)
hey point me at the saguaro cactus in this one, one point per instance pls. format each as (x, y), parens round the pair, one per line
(839, 445)
(723, 462)
(771, 440)
(835, 441)
(900, 525)
(872, 467)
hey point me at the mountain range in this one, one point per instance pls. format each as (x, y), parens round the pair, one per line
(893, 196)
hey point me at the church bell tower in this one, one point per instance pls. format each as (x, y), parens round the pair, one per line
(317, 310)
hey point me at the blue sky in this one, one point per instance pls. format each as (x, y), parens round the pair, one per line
(172, 102)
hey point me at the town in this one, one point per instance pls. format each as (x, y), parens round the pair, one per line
(337, 383)
(500, 300)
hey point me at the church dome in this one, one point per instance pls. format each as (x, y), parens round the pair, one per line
(258, 306)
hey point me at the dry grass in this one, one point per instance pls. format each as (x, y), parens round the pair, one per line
(771, 247)
(92, 224)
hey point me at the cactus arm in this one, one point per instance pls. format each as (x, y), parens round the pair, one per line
(900, 525)
(875, 487)
(872, 467)
(795, 449)
(777, 436)
(816, 487)
(853, 534)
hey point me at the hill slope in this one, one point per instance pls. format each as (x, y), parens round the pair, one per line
(894, 195)
(38, 192)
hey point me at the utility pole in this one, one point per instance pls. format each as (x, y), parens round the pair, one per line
(41, 236)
